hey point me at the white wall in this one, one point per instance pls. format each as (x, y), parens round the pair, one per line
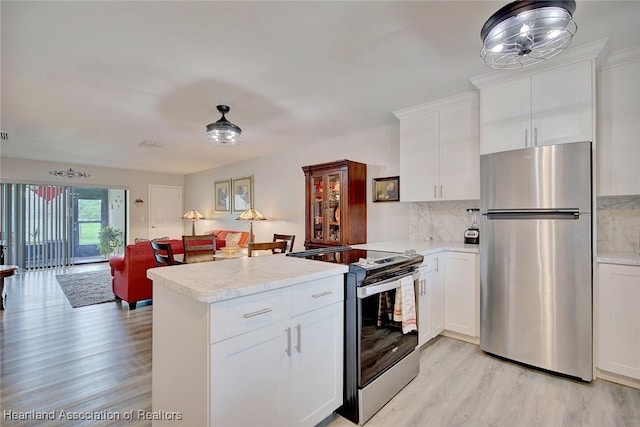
(279, 186)
(22, 171)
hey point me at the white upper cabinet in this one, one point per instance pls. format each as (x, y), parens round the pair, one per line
(439, 150)
(550, 107)
(619, 125)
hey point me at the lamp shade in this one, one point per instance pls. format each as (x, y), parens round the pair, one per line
(526, 32)
(251, 215)
(223, 132)
(192, 214)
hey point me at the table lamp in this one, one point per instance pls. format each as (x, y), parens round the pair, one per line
(251, 215)
(193, 215)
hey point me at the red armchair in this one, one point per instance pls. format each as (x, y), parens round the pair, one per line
(129, 272)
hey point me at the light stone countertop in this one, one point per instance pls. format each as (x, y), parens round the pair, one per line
(222, 280)
(623, 258)
(423, 247)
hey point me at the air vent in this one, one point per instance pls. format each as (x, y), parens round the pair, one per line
(4, 136)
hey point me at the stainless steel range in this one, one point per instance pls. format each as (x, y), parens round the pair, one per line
(380, 344)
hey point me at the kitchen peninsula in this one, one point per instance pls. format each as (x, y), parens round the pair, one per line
(249, 341)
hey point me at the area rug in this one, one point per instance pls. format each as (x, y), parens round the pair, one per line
(82, 289)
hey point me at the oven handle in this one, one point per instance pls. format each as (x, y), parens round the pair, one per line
(387, 285)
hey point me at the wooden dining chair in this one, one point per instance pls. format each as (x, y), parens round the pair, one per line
(274, 247)
(163, 254)
(199, 248)
(289, 238)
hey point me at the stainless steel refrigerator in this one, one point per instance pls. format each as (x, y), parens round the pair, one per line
(536, 257)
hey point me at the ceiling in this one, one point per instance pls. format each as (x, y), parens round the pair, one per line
(88, 82)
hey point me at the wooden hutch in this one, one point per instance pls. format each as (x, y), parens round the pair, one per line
(336, 204)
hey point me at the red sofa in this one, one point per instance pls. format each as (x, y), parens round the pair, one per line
(129, 272)
(222, 234)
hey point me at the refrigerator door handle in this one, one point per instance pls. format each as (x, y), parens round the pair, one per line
(571, 214)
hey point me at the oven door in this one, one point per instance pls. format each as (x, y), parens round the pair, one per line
(381, 343)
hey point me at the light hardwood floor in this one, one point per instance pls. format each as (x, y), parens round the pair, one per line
(98, 358)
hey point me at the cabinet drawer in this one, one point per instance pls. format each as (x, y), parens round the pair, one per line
(238, 316)
(309, 296)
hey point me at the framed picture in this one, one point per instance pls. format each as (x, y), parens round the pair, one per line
(386, 189)
(242, 190)
(221, 200)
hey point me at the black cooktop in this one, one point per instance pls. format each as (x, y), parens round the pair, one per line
(360, 258)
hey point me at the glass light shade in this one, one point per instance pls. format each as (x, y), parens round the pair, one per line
(251, 215)
(223, 132)
(192, 214)
(526, 32)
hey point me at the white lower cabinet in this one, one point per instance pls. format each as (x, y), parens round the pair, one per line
(461, 293)
(619, 319)
(448, 296)
(430, 300)
(250, 379)
(316, 365)
(271, 359)
(285, 374)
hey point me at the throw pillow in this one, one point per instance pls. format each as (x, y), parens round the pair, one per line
(233, 239)
(140, 240)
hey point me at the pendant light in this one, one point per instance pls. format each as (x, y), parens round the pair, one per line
(223, 132)
(524, 33)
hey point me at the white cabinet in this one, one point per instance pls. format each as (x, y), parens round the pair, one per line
(461, 293)
(316, 365)
(550, 107)
(439, 150)
(430, 300)
(619, 127)
(254, 366)
(292, 369)
(619, 319)
(270, 359)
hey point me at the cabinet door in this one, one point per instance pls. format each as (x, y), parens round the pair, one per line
(619, 319)
(420, 157)
(251, 371)
(619, 127)
(505, 116)
(318, 212)
(435, 294)
(333, 201)
(562, 104)
(316, 365)
(460, 293)
(425, 331)
(430, 300)
(460, 152)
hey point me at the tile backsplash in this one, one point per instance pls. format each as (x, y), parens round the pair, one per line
(618, 222)
(443, 221)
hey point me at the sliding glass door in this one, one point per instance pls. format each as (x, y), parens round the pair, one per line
(53, 226)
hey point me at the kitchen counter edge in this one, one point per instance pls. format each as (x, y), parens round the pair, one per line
(218, 281)
(423, 247)
(621, 258)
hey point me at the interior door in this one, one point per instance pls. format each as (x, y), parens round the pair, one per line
(165, 211)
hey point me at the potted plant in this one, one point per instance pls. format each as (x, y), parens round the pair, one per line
(110, 240)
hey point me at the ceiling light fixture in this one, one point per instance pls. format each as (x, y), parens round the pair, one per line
(70, 174)
(524, 33)
(223, 132)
